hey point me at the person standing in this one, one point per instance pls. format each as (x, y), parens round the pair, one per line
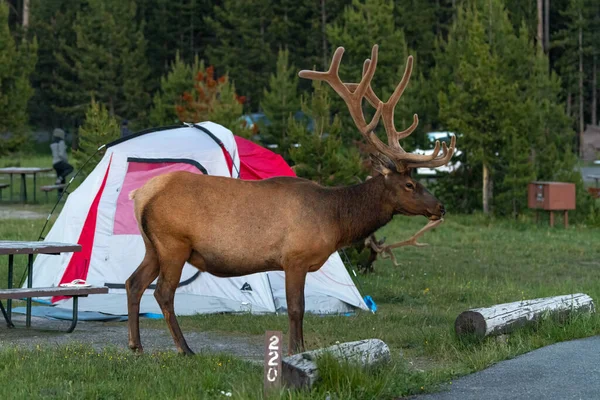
(125, 128)
(60, 162)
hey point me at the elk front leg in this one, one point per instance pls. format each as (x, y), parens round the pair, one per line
(137, 283)
(294, 293)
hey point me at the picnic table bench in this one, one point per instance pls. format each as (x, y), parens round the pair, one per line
(12, 248)
(23, 172)
(3, 186)
(49, 188)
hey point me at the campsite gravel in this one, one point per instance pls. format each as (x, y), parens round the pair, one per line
(7, 213)
(102, 335)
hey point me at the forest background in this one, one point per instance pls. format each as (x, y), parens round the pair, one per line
(515, 80)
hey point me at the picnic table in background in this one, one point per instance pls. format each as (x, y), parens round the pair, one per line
(23, 171)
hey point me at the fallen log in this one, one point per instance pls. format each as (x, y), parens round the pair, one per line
(300, 370)
(504, 318)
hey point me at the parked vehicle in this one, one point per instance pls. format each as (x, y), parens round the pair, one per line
(442, 137)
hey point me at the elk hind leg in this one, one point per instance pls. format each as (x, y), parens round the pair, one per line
(137, 283)
(294, 291)
(168, 279)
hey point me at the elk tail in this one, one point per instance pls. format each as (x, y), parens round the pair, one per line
(132, 194)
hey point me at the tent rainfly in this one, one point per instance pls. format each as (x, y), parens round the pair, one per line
(99, 216)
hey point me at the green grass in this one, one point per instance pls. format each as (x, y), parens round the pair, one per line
(472, 261)
(79, 372)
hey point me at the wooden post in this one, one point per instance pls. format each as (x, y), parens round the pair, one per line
(272, 369)
(504, 318)
(551, 218)
(566, 218)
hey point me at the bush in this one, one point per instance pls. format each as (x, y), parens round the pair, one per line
(99, 128)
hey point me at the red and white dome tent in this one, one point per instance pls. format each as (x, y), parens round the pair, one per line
(99, 216)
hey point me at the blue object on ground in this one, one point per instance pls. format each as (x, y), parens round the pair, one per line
(370, 303)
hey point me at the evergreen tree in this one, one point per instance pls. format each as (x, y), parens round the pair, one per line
(174, 27)
(318, 151)
(172, 86)
(362, 24)
(516, 175)
(279, 102)
(212, 99)
(242, 49)
(107, 60)
(503, 101)
(17, 62)
(422, 22)
(52, 25)
(523, 13)
(478, 101)
(99, 128)
(576, 43)
(288, 30)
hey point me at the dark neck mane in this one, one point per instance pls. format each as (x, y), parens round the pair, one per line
(361, 210)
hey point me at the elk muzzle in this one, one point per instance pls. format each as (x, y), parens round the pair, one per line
(437, 212)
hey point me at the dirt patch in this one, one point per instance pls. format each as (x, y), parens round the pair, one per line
(7, 213)
(100, 335)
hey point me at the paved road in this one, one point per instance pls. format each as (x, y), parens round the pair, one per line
(563, 371)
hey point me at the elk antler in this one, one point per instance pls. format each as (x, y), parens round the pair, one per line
(386, 251)
(393, 150)
(353, 93)
(353, 99)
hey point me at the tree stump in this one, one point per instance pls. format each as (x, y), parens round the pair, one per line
(504, 318)
(300, 370)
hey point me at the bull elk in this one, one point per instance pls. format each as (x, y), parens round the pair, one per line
(291, 224)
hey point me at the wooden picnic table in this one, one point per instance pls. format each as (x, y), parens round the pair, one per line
(23, 171)
(12, 248)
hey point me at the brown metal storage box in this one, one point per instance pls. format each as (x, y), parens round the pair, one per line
(552, 195)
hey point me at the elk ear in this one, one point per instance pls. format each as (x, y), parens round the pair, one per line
(382, 164)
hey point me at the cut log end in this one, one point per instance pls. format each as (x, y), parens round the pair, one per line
(505, 318)
(470, 323)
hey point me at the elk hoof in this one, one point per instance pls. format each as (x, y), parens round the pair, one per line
(186, 352)
(136, 348)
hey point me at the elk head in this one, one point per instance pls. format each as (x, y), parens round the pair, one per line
(409, 197)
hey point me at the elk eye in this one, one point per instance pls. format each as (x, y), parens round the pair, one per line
(410, 185)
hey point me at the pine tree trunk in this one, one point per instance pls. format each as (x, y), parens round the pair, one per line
(111, 107)
(581, 121)
(453, 10)
(594, 93)
(192, 12)
(25, 14)
(514, 199)
(547, 26)
(486, 189)
(324, 34)
(540, 25)
(569, 101)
